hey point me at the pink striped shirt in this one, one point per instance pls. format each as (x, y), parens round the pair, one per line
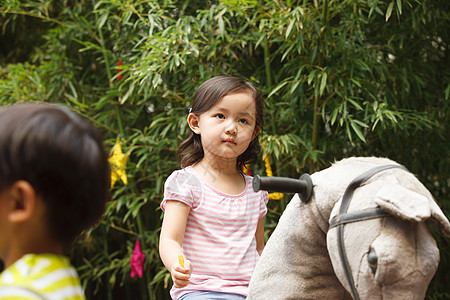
(220, 232)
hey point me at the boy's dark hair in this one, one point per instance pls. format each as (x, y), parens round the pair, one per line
(207, 95)
(61, 155)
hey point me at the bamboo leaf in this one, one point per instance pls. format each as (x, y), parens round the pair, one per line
(334, 115)
(355, 82)
(360, 123)
(277, 88)
(354, 103)
(389, 10)
(289, 29)
(311, 77)
(323, 83)
(358, 132)
(221, 26)
(399, 6)
(102, 19)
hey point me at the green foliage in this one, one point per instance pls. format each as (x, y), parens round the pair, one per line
(341, 78)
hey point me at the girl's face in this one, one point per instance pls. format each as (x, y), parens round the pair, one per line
(227, 129)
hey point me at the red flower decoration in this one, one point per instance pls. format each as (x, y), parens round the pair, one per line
(137, 261)
(119, 71)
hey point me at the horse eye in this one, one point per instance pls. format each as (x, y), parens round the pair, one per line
(372, 258)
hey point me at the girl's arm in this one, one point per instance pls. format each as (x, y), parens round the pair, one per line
(171, 239)
(260, 236)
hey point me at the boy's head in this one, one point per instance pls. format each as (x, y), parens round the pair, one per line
(60, 155)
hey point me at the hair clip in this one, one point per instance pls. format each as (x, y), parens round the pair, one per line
(190, 110)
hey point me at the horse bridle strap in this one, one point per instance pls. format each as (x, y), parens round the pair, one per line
(366, 214)
(343, 218)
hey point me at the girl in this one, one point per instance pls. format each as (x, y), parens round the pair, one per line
(212, 217)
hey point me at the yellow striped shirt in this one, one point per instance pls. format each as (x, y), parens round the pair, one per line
(41, 276)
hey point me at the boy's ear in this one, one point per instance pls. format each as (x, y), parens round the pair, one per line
(23, 202)
(193, 121)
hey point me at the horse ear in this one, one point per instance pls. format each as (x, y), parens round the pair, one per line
(411, 206)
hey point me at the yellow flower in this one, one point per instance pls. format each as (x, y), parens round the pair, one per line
(246, 169)
(276, 196)
(118, 160)
(267, 165)
(272, 196)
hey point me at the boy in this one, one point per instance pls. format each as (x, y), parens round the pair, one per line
(54, 183)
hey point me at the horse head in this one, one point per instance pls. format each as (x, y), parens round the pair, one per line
(378, 245)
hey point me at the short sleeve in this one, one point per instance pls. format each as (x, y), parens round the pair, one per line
(19, 292)
(180, 186)
(263, 204)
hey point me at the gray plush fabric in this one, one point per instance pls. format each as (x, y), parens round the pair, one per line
(300, 260)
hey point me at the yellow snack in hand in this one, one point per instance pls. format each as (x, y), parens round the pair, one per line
(181, 260)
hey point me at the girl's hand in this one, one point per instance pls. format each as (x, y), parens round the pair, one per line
(180, 275)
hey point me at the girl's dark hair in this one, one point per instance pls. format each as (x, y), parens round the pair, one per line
(61, 155)
(207, 95)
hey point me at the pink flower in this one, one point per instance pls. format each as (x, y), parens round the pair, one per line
(137, 261)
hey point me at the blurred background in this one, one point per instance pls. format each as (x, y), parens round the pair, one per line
(340, 78)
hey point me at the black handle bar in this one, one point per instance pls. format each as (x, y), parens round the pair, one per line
(303, 186)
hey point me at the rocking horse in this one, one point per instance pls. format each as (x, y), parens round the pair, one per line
(354, 230)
